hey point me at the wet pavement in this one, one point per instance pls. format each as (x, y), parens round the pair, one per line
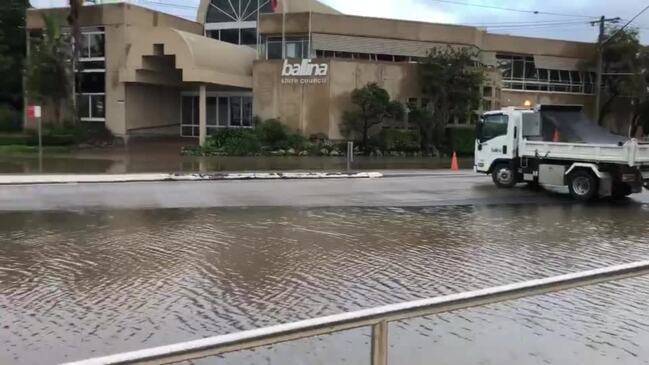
(103, 268)
(418, 188)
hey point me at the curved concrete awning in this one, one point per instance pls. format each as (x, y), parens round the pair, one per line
(170, 57)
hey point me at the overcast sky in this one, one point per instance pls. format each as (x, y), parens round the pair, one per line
(573, 25)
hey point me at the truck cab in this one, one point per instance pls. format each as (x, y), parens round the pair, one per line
(496, 147)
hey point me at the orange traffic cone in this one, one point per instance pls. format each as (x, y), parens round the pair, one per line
(557, 136)
(454, 165)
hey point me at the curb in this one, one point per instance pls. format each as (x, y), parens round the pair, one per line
(276, 176)
(131, 178)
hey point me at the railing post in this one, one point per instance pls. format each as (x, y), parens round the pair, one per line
(350, 155)
(380, 343)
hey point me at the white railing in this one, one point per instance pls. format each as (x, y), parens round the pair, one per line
(376, 318)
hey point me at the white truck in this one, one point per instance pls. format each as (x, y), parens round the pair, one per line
(557, 145)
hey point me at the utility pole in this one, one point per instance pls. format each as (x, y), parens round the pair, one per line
(601, 40)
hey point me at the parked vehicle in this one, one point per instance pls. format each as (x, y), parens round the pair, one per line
(557, 145)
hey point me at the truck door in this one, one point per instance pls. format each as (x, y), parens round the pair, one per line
(494, 141)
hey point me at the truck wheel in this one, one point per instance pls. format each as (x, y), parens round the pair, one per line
(583, 185)
(504, 176)
(621, 191)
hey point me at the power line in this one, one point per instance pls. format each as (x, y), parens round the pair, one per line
(536, 25)
(626, 25)
(535, 12)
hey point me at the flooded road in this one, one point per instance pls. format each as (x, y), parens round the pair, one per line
(89, 283)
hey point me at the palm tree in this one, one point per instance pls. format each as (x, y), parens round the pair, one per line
(47, 76)
(73, 22)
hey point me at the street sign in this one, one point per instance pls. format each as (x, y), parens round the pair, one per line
(34, 111)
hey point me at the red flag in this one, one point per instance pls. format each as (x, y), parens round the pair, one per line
(275, 4)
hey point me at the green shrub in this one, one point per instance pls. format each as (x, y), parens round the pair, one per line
(246, 143)
(400, 140)
(13, 139)
(462, 140)
(235, 142)
(298, 142)
(273, 133)
(10, 119)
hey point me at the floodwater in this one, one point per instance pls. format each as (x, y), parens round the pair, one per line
(165, 156)
(81, 284)
(65, 164)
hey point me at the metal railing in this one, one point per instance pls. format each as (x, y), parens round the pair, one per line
(376, 318)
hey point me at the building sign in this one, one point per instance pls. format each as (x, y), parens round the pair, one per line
(305, 73)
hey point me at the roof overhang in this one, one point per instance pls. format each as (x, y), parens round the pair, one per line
(169, 56)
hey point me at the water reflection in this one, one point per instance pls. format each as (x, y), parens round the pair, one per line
(175, 163)
(74, 285)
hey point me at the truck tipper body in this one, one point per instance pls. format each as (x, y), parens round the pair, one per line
(557, 145)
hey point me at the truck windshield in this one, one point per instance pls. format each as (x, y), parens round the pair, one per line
(492, 126)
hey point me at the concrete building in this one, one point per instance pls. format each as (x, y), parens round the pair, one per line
(147, 73)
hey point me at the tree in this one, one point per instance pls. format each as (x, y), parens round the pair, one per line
(47, 72)
(424, 120)
(451, 80)
(12, 51)
(639, 91)
(620, 56)
(373, 108)
(75, 25)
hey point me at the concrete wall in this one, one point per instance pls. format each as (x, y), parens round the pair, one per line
(318, 108)
(301, 23)
(151, 107)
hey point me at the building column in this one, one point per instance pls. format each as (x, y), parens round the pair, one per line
(202, 115)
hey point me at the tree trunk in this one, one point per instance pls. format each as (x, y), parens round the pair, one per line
(366, 136)
(430, 137)
(605, 109)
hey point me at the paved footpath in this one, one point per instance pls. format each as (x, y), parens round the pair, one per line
(395, 189)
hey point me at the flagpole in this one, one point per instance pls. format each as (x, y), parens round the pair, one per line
(284, 6)
(258, 35)
(308, 49)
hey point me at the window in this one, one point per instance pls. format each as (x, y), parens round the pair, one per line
(520, 73)
(274, 50)
(235, 21)
(230, 35)
(92, 44)
(91, 82)
(247, 111)
(295, 48)
(492, 126)
(505, 67)
(235, 111)
(91, 76)
(220, 11)
(211, 111)
(214, 34)
(486, 105)
(248, 37)
(223, 111)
